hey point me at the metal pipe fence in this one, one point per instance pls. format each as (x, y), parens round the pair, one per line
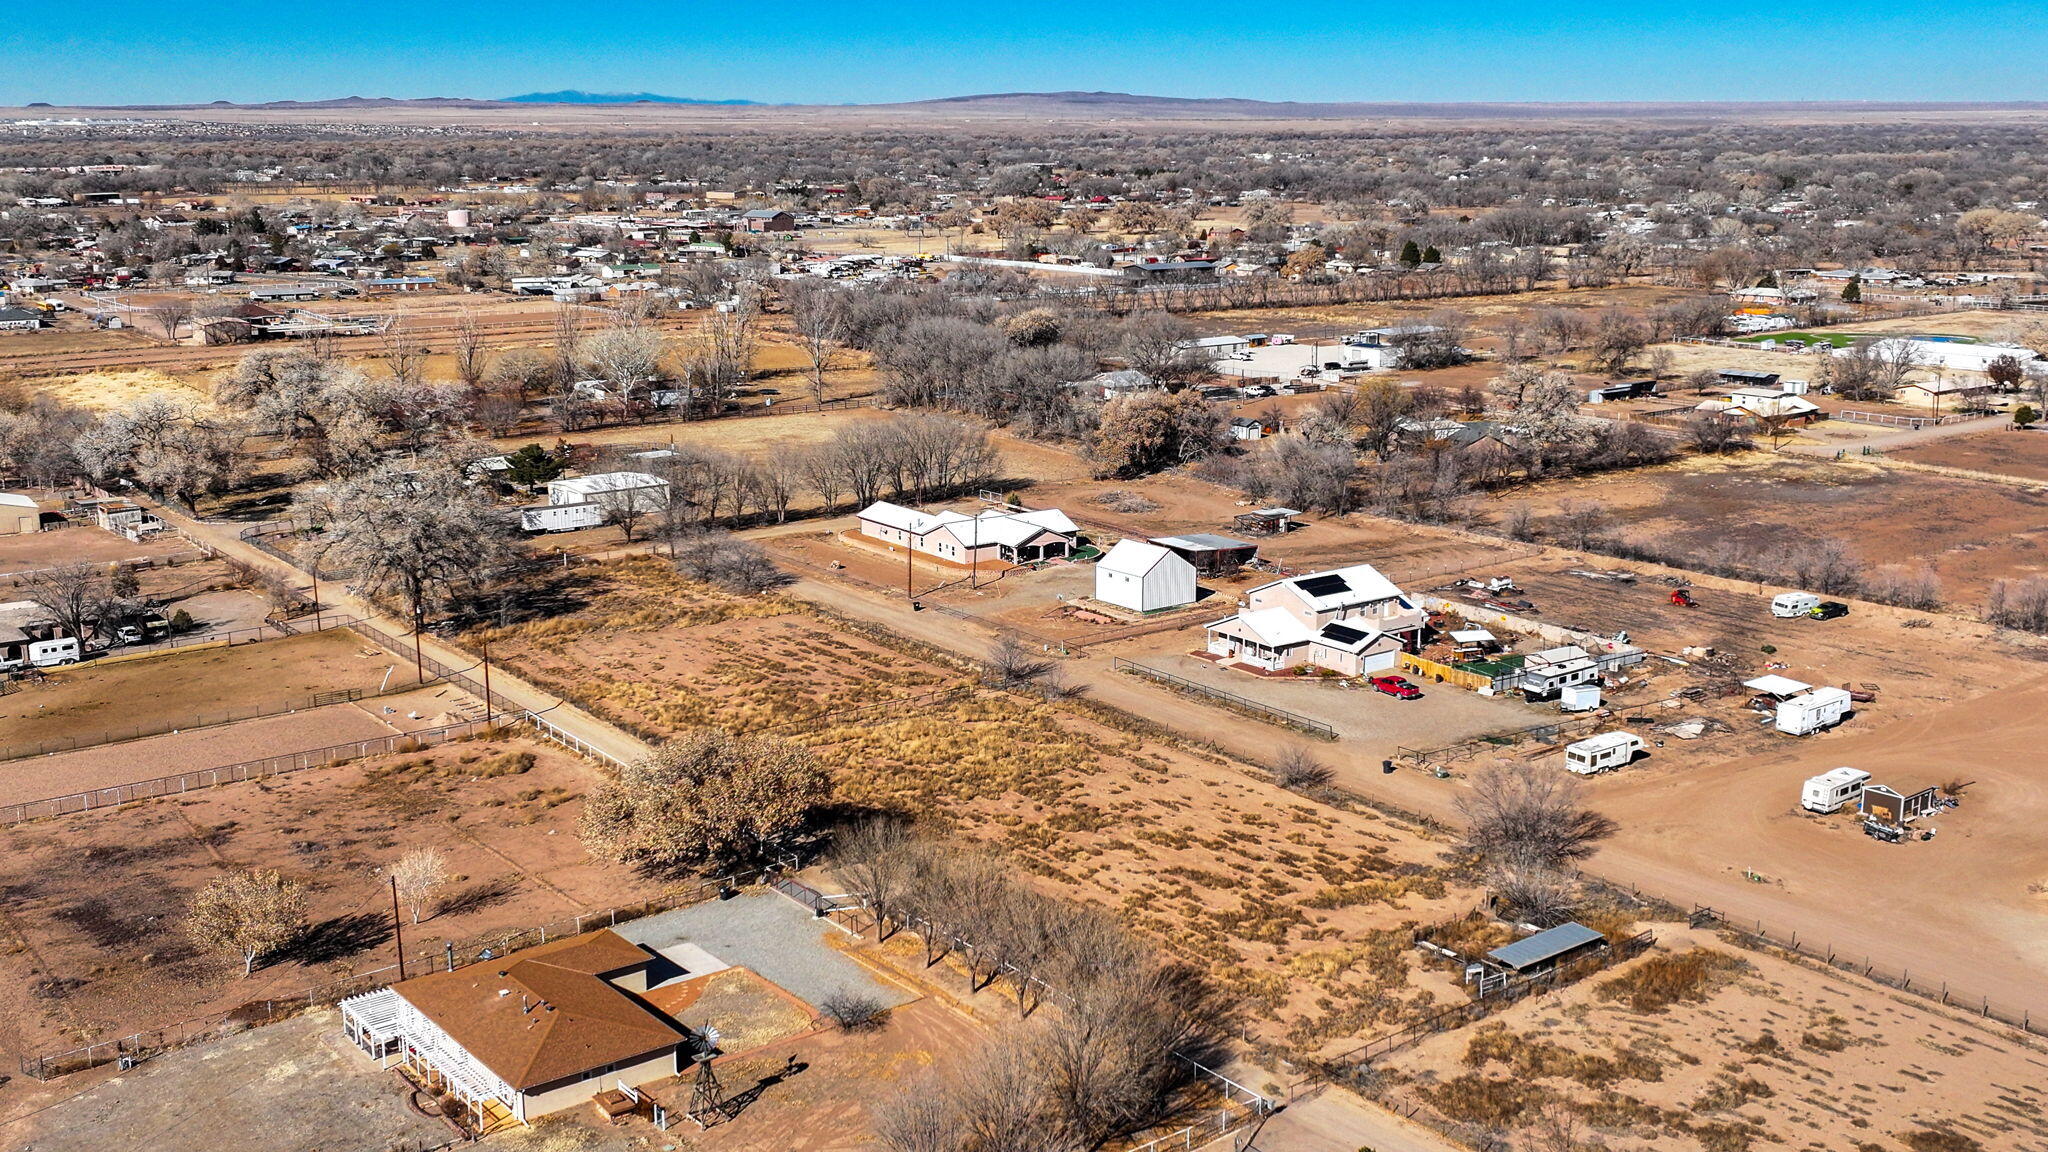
(204, 720)
(114, 796)
(1252, 707)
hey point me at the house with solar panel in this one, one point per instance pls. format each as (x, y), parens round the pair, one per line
(1352, 621)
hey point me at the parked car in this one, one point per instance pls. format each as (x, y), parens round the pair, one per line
(1395, 686)
(1829, 609)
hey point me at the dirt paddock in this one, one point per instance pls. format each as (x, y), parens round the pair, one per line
(1754, 1052)
(178, 689)
(93, 943)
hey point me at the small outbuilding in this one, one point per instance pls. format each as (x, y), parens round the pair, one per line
(1546, 950)
(1212, 555)
(1144, 578)
(19, 514)
(1268, 521)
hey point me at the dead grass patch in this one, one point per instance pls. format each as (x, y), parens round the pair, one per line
(1661, 981)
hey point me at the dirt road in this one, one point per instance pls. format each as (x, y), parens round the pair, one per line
(1997, 955)
(511, 690)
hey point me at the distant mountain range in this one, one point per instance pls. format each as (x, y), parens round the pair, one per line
(574, 96)
(599, 109)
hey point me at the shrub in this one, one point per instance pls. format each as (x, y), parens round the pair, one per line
(1662, 981)
(853, 1011)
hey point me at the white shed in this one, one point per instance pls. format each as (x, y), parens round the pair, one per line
(19, 513)
(1144, 578)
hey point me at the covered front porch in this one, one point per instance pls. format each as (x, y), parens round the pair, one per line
(387, 1027)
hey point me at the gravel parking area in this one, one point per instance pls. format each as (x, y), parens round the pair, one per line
(1444, 714)
(297, 1086)
(770, 934)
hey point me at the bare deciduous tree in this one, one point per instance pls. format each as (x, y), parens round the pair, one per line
(709, 798)
(1530, 816)
(247, 914)
(420, 875)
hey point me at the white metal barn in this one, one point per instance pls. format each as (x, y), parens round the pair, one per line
(1144, 578)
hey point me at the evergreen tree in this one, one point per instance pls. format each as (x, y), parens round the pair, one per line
(532, 465)
(1852, 292)
(1410, 254)
(1431, 256)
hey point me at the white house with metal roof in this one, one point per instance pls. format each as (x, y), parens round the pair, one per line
(1014, 535)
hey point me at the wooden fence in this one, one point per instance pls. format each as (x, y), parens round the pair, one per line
(1442, 673)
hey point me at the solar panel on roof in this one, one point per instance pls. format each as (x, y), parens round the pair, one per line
(1326, 585)
(1342, 634)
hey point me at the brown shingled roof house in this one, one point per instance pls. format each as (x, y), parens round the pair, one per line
(531, 1034)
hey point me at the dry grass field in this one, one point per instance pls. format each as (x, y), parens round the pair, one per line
(1970, 532)
(1303, 907)
(91, 939)
(2001, 451)
(1703, 1045)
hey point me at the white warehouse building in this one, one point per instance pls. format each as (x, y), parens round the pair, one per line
(1144, 578)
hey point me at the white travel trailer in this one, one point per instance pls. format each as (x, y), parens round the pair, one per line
(1829, 791)
(1602, 753)
(1818, 709)
(1791, 605)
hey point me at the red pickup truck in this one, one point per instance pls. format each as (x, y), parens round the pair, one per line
(1395, 686)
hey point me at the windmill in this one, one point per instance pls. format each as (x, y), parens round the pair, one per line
(707, 1098)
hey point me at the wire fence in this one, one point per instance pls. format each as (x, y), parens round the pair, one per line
(1349, 1065)
(1251, 707)
(1931, 987)
(1428, 759)
(203, 720)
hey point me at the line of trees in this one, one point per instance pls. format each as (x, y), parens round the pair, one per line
(1103, 1057)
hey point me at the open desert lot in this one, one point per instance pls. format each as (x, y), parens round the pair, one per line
(2002, 452)
(95, 945)
(1970, 532)
(80, 544)
(1702, 1044)
(1167, 834)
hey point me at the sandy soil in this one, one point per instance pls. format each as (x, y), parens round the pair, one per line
(2001, 451)
(80, 544)
(63, 773)
(118, 388)
(1971, 532)
(230, 1094)
(91, 919)
(1780, 1055)
(184, 689)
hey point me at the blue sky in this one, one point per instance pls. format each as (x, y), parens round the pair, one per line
(121, 51)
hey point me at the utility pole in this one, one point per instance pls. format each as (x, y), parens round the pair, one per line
(419, 662)
(487, 679)
(398, 928)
